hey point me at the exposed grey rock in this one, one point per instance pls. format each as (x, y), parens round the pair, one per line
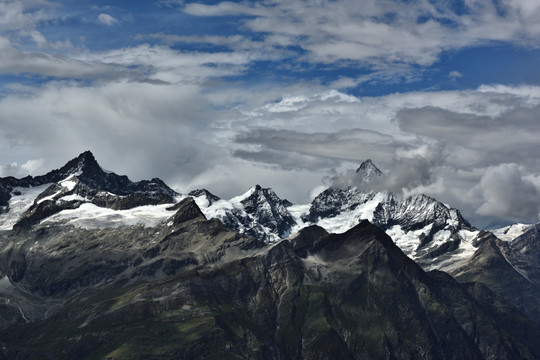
(316, 296)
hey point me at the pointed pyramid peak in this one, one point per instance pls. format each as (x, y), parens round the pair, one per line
(368, 165)
(368, 171)
(85, 163)
(186, 210)
(86, 156)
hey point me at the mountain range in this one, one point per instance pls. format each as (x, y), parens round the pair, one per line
(96, 266)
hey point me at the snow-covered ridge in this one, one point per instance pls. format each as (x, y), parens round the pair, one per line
(511, 232)
(426, 230)
(258, 212)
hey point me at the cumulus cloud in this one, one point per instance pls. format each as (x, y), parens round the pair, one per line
(508, 194)
(454, 75)
(107, 20)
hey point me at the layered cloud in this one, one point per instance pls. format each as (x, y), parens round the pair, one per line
(412, 32)
(188, 103)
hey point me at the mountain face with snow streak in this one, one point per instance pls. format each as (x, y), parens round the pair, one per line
(81, 193)
(434, 235)
(81, 181)
(258, 213)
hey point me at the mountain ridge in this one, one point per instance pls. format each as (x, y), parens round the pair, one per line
(74, 237)
(80, 181)
(293, 299)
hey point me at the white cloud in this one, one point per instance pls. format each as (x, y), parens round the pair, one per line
(20, 18)
(375, 32)
(508, 194)
(441, 143)
(454, 74)
(34, 167)
(17, 61)
(107, 20)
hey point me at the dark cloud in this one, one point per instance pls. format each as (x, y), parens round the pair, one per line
(351, 145)
(286, 160)
(477, 141)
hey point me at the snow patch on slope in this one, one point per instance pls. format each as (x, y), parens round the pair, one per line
(509, 233)
(341, 222)
(298, 211)
(18, 204)
(90, 216)
(407, 241)
(458, 257)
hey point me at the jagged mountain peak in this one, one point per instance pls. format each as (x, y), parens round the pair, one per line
(207, 195)
(258, 194)
(369, 167)
(368, 171)
(83, 165)
(87, 158)
(30, 200)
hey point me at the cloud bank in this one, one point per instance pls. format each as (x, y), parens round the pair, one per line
(270, 92)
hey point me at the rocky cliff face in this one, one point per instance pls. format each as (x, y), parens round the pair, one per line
(197, 292)
(258, 213)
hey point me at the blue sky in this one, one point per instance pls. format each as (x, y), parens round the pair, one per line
(442, 95)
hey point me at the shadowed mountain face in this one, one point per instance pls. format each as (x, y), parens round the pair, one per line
(511, 269)
(195, 291)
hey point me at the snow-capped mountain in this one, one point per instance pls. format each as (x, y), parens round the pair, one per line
(368, 172)
(259, 212)
(428, 231)
(82, 194)
(78, 190)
